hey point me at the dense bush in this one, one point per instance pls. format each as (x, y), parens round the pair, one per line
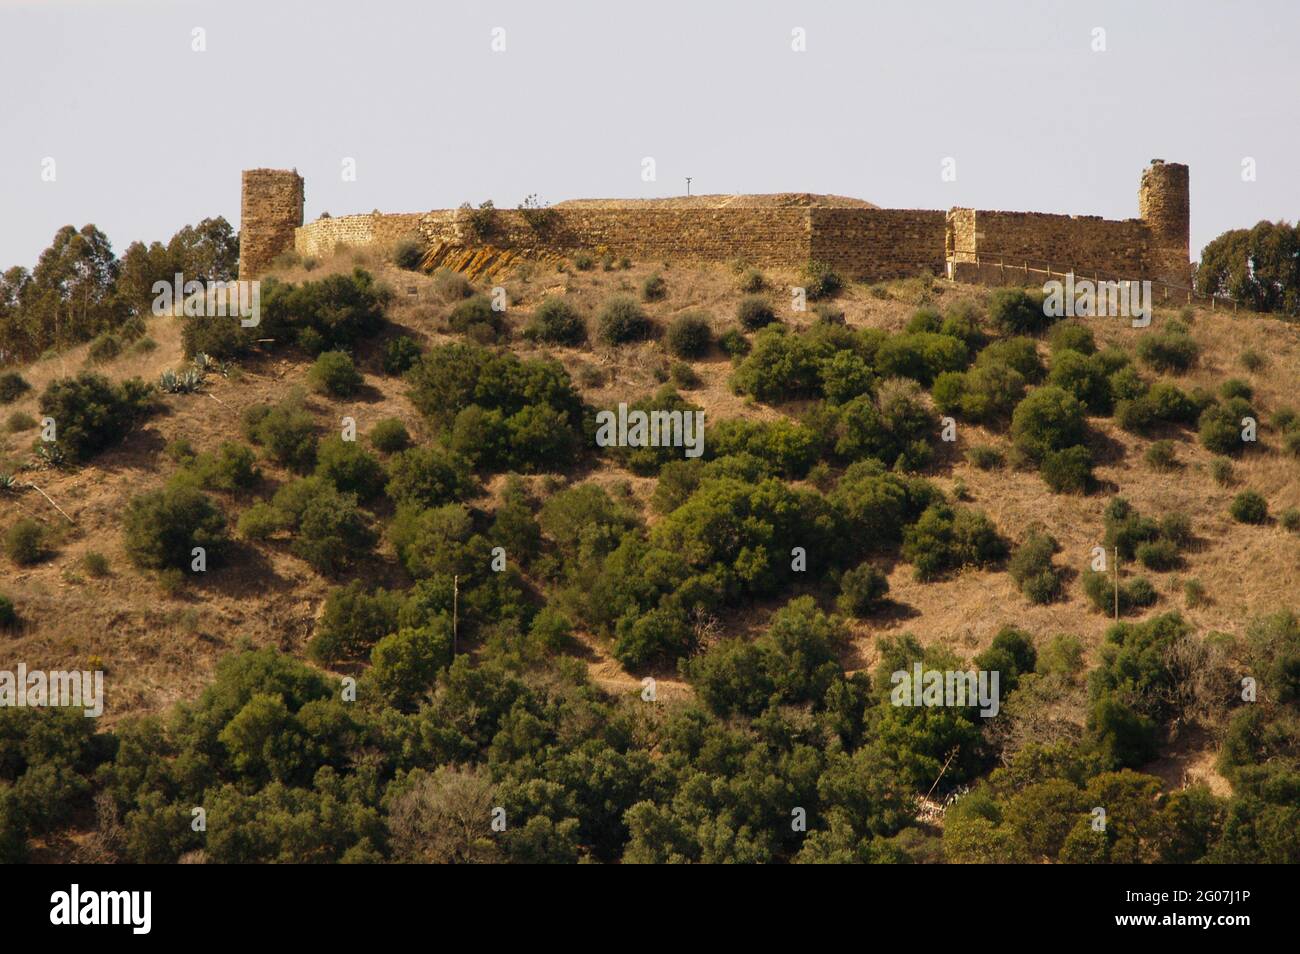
(654, 288)
(1031, 567)
(689, 335)
(1072, 336)
(1220, 426)
(348, 466)
(8, 615)
(352, 622)
(336, 313)
(25, 542)
(91, 414)
(408, 254)
(12, 386)
(335, 374)
(520, 415)
(1049, 419)
(221, 338)
(1249, 507)
(389, 436)
(429, 476)
(1134, 593)
(161, 528)
(232, 467)
(400, 355)
(755, 312)
(922, 356)
(947, 538)
(477, 318)
(1067, 471)
(821, 281)
(1014, 311)
(555, 321)
(286, 431)
(621, 321)
(330, 532)
(862, 591)
(1170, 349)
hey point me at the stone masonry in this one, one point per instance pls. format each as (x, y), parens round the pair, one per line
(860, 242)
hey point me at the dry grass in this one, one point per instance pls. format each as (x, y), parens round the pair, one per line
(158, 648)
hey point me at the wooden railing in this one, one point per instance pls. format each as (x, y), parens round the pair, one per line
(1020, 265)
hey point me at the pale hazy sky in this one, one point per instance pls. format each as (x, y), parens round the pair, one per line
(148, 135)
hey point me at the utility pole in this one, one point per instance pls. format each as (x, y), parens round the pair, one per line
(688, 184)
(455, 610)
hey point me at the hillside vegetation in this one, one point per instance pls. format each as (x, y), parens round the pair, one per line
(637, 655)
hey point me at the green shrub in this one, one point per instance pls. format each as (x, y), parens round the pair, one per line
(260, 522)
(104, 348)
(1083, 376)
(1252, 360)
(1134, 593)
(1020, 354)
(1249, 507)
(1290, 519)
(583, 261)
(91, 414)
(1159, 555)
(621, 320)
(734, 343)
(400, 355)
(25, 542)
(429, 476)
(405, 664)
(1169, 350)
(862, 591)
(689, 335)
(476, 317)
(222, 338)
(1031, 568)
(1014, 311)
(1162, 457)
(285, 430)
(408, 254)
(335, 374)
(331, 533)
(921, 356)
(1067, 471)
(1235, 388)
(654, 288)
(95, 563)
(985, 457)
(1049, 419)
(8, 615)
(944, 539)
(821, 281)
(348, 466)
(232, 467)
(1194, 593)
(555, 321)
(754, 312)
(352, 622)
(1071, 336)
(1220, 427)
(336, 313)
(389, 436)
(161, 528)
(12, 386)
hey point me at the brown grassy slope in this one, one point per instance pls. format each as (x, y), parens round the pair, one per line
(158, 648)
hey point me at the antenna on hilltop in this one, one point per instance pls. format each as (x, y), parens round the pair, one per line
(688, 184)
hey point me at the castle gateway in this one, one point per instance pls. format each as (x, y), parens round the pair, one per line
(788, 230)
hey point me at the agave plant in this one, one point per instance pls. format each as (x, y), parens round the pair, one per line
(186, 382)
(8, 483)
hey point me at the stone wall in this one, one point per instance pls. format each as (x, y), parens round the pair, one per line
(861, 243)
(270, 209)
(1086, 243)
(869, 244)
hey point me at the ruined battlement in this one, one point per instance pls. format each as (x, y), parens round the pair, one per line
(857, 239)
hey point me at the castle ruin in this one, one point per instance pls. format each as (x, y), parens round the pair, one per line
(856, 239)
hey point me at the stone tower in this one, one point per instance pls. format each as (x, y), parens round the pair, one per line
(1164, 205)
(270, 209)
